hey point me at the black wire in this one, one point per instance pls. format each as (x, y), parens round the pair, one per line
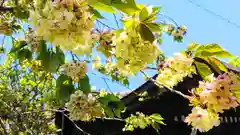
(215, 14)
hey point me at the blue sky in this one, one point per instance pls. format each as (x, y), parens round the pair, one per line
(203, 27)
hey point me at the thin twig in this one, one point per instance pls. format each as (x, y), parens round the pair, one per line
(105, 24)
(107, 85)
(107, 79)
(3, 127)
(161, 84)
(169, 18)
(115, 18)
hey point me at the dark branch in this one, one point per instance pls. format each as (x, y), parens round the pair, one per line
(6, 9)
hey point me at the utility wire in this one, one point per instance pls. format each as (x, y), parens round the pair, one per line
(214, 14)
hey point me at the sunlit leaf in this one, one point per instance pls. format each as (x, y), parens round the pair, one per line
(100, 5)
(145, 13)
(235, 61)
(192, 46)
(215, 50)
(203, 70)
(128, 6)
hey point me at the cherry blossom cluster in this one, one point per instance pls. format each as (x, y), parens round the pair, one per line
(214, 97)
(66, 23)
(175, 32)
(84, 107)
(5, 28)
(32, 39)
(133, 53)
(106, 45)
(75, 70)
(175, 69)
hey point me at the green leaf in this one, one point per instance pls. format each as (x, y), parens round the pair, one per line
(117, 112)
(192, 46)
(102, 6)
(125, 82)
(145, 13)
(146, 33)
(24, 54)
(50, 60)
(96, 14)
(217, 65)
(156, 10)
(208, 50)
(157, 118)
(127, 6)
(219, 54)
(20, 45)
(155, 127)
(235, 61)
(64, 88)
(108, 112)
(154, 27)
(112, 105)
(128, 23)
(203, 70)
(84, 84)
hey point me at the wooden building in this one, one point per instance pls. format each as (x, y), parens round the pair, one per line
(171, 106)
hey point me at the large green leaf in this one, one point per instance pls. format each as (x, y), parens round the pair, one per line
(154, 27)
(84, 84)
(50, 60)
(127, 6)
(146, 33)
(145, 13)
(192, 47)
(102, 6)
(148, 14)
(208, 50)
(217, 65)
(64, 88)
(112, 105)
(203, 70)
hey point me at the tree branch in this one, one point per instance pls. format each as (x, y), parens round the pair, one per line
(3, 127)
(170, 89)
(6, 9)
